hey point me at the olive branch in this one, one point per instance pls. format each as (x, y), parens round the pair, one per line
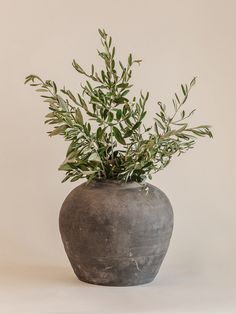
(105, 128)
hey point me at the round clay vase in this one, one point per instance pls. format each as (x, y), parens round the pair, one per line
(116, 234)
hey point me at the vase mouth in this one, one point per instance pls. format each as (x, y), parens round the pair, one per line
(116, 182)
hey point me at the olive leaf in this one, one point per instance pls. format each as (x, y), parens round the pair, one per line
(118, 135)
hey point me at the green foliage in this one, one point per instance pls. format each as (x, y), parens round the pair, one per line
(113, 142)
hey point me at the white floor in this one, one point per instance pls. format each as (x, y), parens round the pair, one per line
(48, 289)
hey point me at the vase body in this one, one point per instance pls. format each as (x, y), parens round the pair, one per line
(114, 233)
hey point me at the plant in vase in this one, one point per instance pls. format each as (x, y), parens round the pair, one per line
(113, 232)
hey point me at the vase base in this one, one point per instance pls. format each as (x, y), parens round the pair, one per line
(117, 284)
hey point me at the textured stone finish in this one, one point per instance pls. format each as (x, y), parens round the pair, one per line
(114, 233)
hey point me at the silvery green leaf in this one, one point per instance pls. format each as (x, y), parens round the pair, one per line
(62, 103)
(94, 157)
(78, 116)
(118, 136)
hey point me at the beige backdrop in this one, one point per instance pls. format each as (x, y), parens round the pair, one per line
(176, 40)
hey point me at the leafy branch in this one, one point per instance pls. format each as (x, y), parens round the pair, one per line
(106, 130)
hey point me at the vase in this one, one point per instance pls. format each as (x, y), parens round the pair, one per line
(115, 233)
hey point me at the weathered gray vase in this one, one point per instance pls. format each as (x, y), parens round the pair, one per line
(114, 233)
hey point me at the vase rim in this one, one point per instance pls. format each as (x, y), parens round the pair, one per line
(117, 182)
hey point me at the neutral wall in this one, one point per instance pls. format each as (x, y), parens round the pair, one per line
(176, 40)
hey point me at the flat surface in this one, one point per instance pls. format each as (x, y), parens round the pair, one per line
(50, 289)
(176, 40)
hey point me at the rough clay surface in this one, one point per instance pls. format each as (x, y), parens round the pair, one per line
(114, 233)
